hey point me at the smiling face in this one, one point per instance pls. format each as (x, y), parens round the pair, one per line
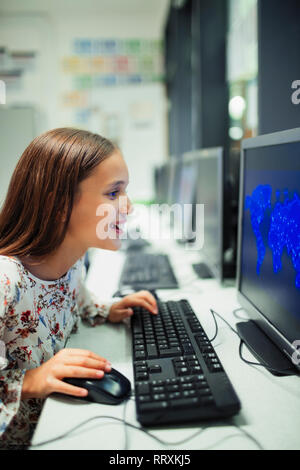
(101, 206)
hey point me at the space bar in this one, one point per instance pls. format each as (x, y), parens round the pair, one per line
(170, 352)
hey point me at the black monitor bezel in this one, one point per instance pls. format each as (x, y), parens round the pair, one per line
(267, 140)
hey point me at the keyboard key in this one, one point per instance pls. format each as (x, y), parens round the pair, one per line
(141, 375)
(173, 388)
(184, 402)
(143, 388)
(154, 406)
(154, 369)
(170, 352)
(204, 392)
(215, 368)
(140, 363)
(156, 383)
(183, 371)
(144, 398)
(140, 355)
(141, 369)
(207, 400)
(202, 384)
(174, 395)
(187, 386)
(157, 389)
(189, 393)
(159, 396)
(152, 352)
(187, 348)
(195, 369)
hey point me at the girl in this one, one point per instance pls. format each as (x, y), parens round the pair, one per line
(62, 182)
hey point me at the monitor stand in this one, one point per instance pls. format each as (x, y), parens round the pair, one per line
(265, 351)
(184, 241)
(202, 270)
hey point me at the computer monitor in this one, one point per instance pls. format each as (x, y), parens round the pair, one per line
(210, 192)
(175, 164)
(161, 182)
(185, 194)
(268, 274)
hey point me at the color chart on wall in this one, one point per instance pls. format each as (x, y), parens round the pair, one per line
(109, 62)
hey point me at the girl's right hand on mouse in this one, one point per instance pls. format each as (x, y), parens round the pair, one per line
(48, 378)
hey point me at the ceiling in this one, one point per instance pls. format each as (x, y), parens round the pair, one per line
(123, 7)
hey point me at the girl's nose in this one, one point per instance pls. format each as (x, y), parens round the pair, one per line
(129, 206)
(126, 207)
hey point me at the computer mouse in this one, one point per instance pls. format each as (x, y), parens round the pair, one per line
(112, 389)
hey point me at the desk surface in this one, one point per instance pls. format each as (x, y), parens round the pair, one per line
(270, 413)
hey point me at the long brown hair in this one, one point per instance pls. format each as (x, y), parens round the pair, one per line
(43, 187)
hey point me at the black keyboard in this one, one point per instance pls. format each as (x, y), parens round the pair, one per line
(178, 375)
(148, 270)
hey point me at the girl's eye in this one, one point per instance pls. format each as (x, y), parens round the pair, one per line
(113, 194)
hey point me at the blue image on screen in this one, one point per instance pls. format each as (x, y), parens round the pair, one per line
(283, 223)
(270, 262)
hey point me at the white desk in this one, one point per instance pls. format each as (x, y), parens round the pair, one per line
(270, 405)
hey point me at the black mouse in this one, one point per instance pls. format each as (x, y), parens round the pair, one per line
(112, 389)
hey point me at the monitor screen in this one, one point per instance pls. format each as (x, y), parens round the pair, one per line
(210, 188)
(175, 170)
(269, 232)
(187, 183)
(162, 176)
(186, 192)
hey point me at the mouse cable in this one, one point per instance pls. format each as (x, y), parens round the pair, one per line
(238, 316)
(271, 369)
(66, 433)
(214, 314)
(165, 443)
(262, 364)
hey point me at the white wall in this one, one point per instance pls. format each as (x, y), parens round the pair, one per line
(140, 111)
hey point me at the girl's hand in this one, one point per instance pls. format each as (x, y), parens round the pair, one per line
(122, 309)
(47, 378)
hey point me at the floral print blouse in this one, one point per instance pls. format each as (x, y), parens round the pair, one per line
(36, 319)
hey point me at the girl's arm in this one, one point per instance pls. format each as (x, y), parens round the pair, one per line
(91, 308)
(11, 380)
(116, 310)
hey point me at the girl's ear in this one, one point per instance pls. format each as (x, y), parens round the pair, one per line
(62, 217)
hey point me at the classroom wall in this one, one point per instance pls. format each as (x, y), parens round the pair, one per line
(138, 113)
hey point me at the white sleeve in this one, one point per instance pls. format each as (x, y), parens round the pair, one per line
(91, 308)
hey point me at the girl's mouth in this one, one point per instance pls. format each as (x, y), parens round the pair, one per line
(117, 228)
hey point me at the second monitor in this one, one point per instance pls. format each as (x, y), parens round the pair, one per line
(203, 181)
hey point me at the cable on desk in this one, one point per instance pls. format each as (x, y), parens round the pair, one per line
(183, 441)
(66, 433)
(213, 312)
(261, 364)
(126, 438)
(246, 433)
(266, 366)
(234, 312)
(161, 441)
